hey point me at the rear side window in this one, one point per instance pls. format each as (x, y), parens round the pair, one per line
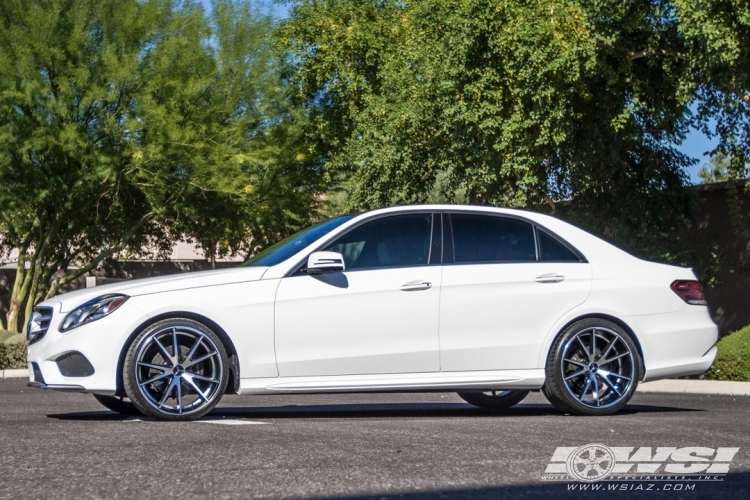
(551, 250)
(483, 238)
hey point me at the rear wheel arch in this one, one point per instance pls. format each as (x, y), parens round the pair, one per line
(606, 317)
(233, 386)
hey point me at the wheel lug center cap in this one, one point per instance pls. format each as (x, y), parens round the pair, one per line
(593, 367)
(178, 370)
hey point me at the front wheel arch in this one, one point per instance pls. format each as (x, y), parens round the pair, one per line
(606, 317)
(233, 386)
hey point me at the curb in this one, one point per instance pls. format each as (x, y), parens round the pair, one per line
(21, 373)
(696, 387)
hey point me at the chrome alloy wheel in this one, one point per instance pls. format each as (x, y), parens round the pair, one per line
(598, 367)
(179, 370)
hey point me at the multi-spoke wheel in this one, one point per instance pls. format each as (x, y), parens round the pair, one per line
(176, 370)
(593, 368)
(118, 404)
(493, 400)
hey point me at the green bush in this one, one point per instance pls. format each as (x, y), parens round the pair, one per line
(12, 350)
(5, 335)
(733, 360)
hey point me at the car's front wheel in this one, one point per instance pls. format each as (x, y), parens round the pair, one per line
(494, 400)
(176, 369)
(593, 368)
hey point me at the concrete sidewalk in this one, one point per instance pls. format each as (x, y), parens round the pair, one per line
(14, 373)
(697, 387)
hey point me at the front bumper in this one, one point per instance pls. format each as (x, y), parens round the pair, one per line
(99, 343)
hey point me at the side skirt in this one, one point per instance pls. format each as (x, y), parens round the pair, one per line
(398, 382)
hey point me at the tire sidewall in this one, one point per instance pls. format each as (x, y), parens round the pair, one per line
(129, 374)
(555, 386)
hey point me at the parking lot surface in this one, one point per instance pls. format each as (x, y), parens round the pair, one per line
(417, 446)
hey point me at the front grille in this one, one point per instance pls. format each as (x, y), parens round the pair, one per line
(74, 364)
(38, 324)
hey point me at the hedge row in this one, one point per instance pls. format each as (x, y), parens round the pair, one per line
(12, 350)
(733, 360)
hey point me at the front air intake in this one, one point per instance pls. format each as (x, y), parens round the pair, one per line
(74, 364)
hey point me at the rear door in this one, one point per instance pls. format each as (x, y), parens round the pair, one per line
(505, 283)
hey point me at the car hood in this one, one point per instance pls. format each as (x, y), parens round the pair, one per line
(160, 284)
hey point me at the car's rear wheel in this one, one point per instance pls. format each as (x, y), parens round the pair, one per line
(176, 369)
(593, 368)
(118, 404)
(493, 400)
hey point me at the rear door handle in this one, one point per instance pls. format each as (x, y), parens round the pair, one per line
(413, 286)
(550, 278)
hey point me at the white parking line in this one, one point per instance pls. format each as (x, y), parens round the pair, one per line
(220, 421)
(228, 421)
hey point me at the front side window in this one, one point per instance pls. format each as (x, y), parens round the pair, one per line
(486, 238)
(396, 241)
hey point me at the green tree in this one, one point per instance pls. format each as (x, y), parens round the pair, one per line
(121, 121)
(717, 169)
(717, 49)
(565, 106)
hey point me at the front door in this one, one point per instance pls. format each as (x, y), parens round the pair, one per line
(379, 316)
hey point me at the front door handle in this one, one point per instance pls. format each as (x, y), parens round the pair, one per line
(549, 278)
(413, 286)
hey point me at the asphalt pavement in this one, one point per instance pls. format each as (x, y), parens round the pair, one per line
(374, 446)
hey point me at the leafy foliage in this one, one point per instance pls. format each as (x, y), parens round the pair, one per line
(717, 169)
(563, 106)
(127, 124)
(733, 359)
(717, 40)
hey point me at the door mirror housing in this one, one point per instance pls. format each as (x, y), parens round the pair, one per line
(325, 262)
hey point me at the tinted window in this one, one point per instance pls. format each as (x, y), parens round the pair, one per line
(402, 240)
(483, 238)
(552, 250)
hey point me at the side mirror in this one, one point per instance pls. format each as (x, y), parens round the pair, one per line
(325, 262)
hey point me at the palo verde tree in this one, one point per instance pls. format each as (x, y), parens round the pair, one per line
(121, 121)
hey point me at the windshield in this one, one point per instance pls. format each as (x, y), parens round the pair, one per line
(278, 253)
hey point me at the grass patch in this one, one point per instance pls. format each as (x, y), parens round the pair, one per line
(733, 360)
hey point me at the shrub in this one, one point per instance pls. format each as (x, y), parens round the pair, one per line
(12, 350)
(733, 360)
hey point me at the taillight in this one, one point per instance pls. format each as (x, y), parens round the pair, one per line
(690, 291)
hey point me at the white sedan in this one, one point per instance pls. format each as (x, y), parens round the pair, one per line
(488, 302)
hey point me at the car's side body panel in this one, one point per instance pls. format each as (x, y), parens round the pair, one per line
(243, 310)
(496, 316)
(358, 322)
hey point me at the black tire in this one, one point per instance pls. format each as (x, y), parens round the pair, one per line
(118, 405)
(176, 369)
(497, 400)
(593, 368)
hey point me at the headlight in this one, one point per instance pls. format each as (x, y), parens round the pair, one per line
(92, 310)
